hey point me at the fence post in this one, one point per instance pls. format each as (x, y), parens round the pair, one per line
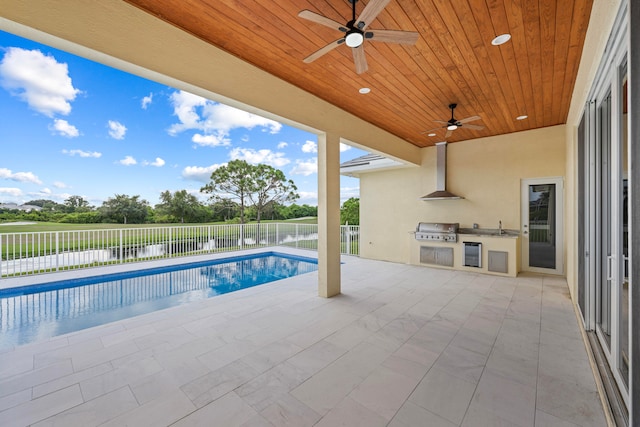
(241, 236)
(348, 231)
(57, 250)
(169, 245)
(1, 252)
(297, 235)
(277, 234)
(120, 247)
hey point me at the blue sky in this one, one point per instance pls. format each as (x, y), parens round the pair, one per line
(70, 126)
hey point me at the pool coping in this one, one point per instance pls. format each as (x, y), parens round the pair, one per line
(38, 279)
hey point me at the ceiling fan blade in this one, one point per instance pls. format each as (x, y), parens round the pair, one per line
(448, 134)
(440, 121)
(322, 20)
(328, 48)
(359, 59)
(474, 127)
(393, 36)
(431, 130)
(370, 12)
(469, 119)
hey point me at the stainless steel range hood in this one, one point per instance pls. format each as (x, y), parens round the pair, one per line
(441, 192)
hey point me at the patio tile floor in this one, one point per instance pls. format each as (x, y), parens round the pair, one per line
(403, 346)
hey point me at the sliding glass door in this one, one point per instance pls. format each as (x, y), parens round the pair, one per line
(610, 213)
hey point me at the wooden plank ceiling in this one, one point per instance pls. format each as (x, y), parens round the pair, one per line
(411, 85)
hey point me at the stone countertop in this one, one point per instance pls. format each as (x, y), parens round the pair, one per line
(489, 232)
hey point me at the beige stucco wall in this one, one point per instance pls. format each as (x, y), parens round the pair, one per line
(486, 171)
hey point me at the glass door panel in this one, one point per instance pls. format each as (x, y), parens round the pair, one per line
(542, 242)
(623, 231)
(603, 307)
(542, 232)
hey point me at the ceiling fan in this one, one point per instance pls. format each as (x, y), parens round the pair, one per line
(355, 32)
(453, 124)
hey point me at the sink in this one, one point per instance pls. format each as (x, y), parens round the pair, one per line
(493, 232)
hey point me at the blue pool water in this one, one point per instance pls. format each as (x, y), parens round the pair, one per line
(33, 313)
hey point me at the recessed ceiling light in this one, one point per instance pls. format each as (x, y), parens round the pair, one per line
(432, 134)
(364, 90)
(501, 39)
(522, 117)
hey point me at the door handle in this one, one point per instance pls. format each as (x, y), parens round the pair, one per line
(609, 259)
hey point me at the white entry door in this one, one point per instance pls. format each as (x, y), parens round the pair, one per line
(542, 227)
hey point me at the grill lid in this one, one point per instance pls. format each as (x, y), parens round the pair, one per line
(437, 227)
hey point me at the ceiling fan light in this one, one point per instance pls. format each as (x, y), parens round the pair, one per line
(452, 127)
(354, 39)
(432, 134)
(501, 39)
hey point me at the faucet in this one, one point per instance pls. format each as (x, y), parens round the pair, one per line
(500, 231)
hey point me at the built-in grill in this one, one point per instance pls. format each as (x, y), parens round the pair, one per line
(437, 231)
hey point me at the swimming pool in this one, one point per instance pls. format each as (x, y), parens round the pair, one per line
(37, 312)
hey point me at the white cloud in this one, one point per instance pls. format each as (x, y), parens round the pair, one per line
(213, 119)
(310, 147)
(305, 167)
(199, 173)
(146, 101)
(63, 128)
(158, 162)
(349, 192)
(81, 153)
(309, 197)
(282, 145)
(59, 184)
(39, 80)
(211, 140)
(128, 161)
(19, 176)
(344, 147)
(116, 129)
(46, 193)
(265, 156)
(14, 192)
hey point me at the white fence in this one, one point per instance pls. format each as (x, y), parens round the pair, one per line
(40, 252)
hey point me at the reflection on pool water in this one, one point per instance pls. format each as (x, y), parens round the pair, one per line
(37, 312)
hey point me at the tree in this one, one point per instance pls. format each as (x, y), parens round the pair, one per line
(232, 182)
(77, 204)
(125, 209)
(180, 205)
(271, 187)
(224, 209)
(47, 205)
(295, 211)
(245, 183)
(350, 211)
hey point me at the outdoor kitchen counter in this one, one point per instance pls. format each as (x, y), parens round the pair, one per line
(506, 245)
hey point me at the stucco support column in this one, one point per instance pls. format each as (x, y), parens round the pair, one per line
(328, 215)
